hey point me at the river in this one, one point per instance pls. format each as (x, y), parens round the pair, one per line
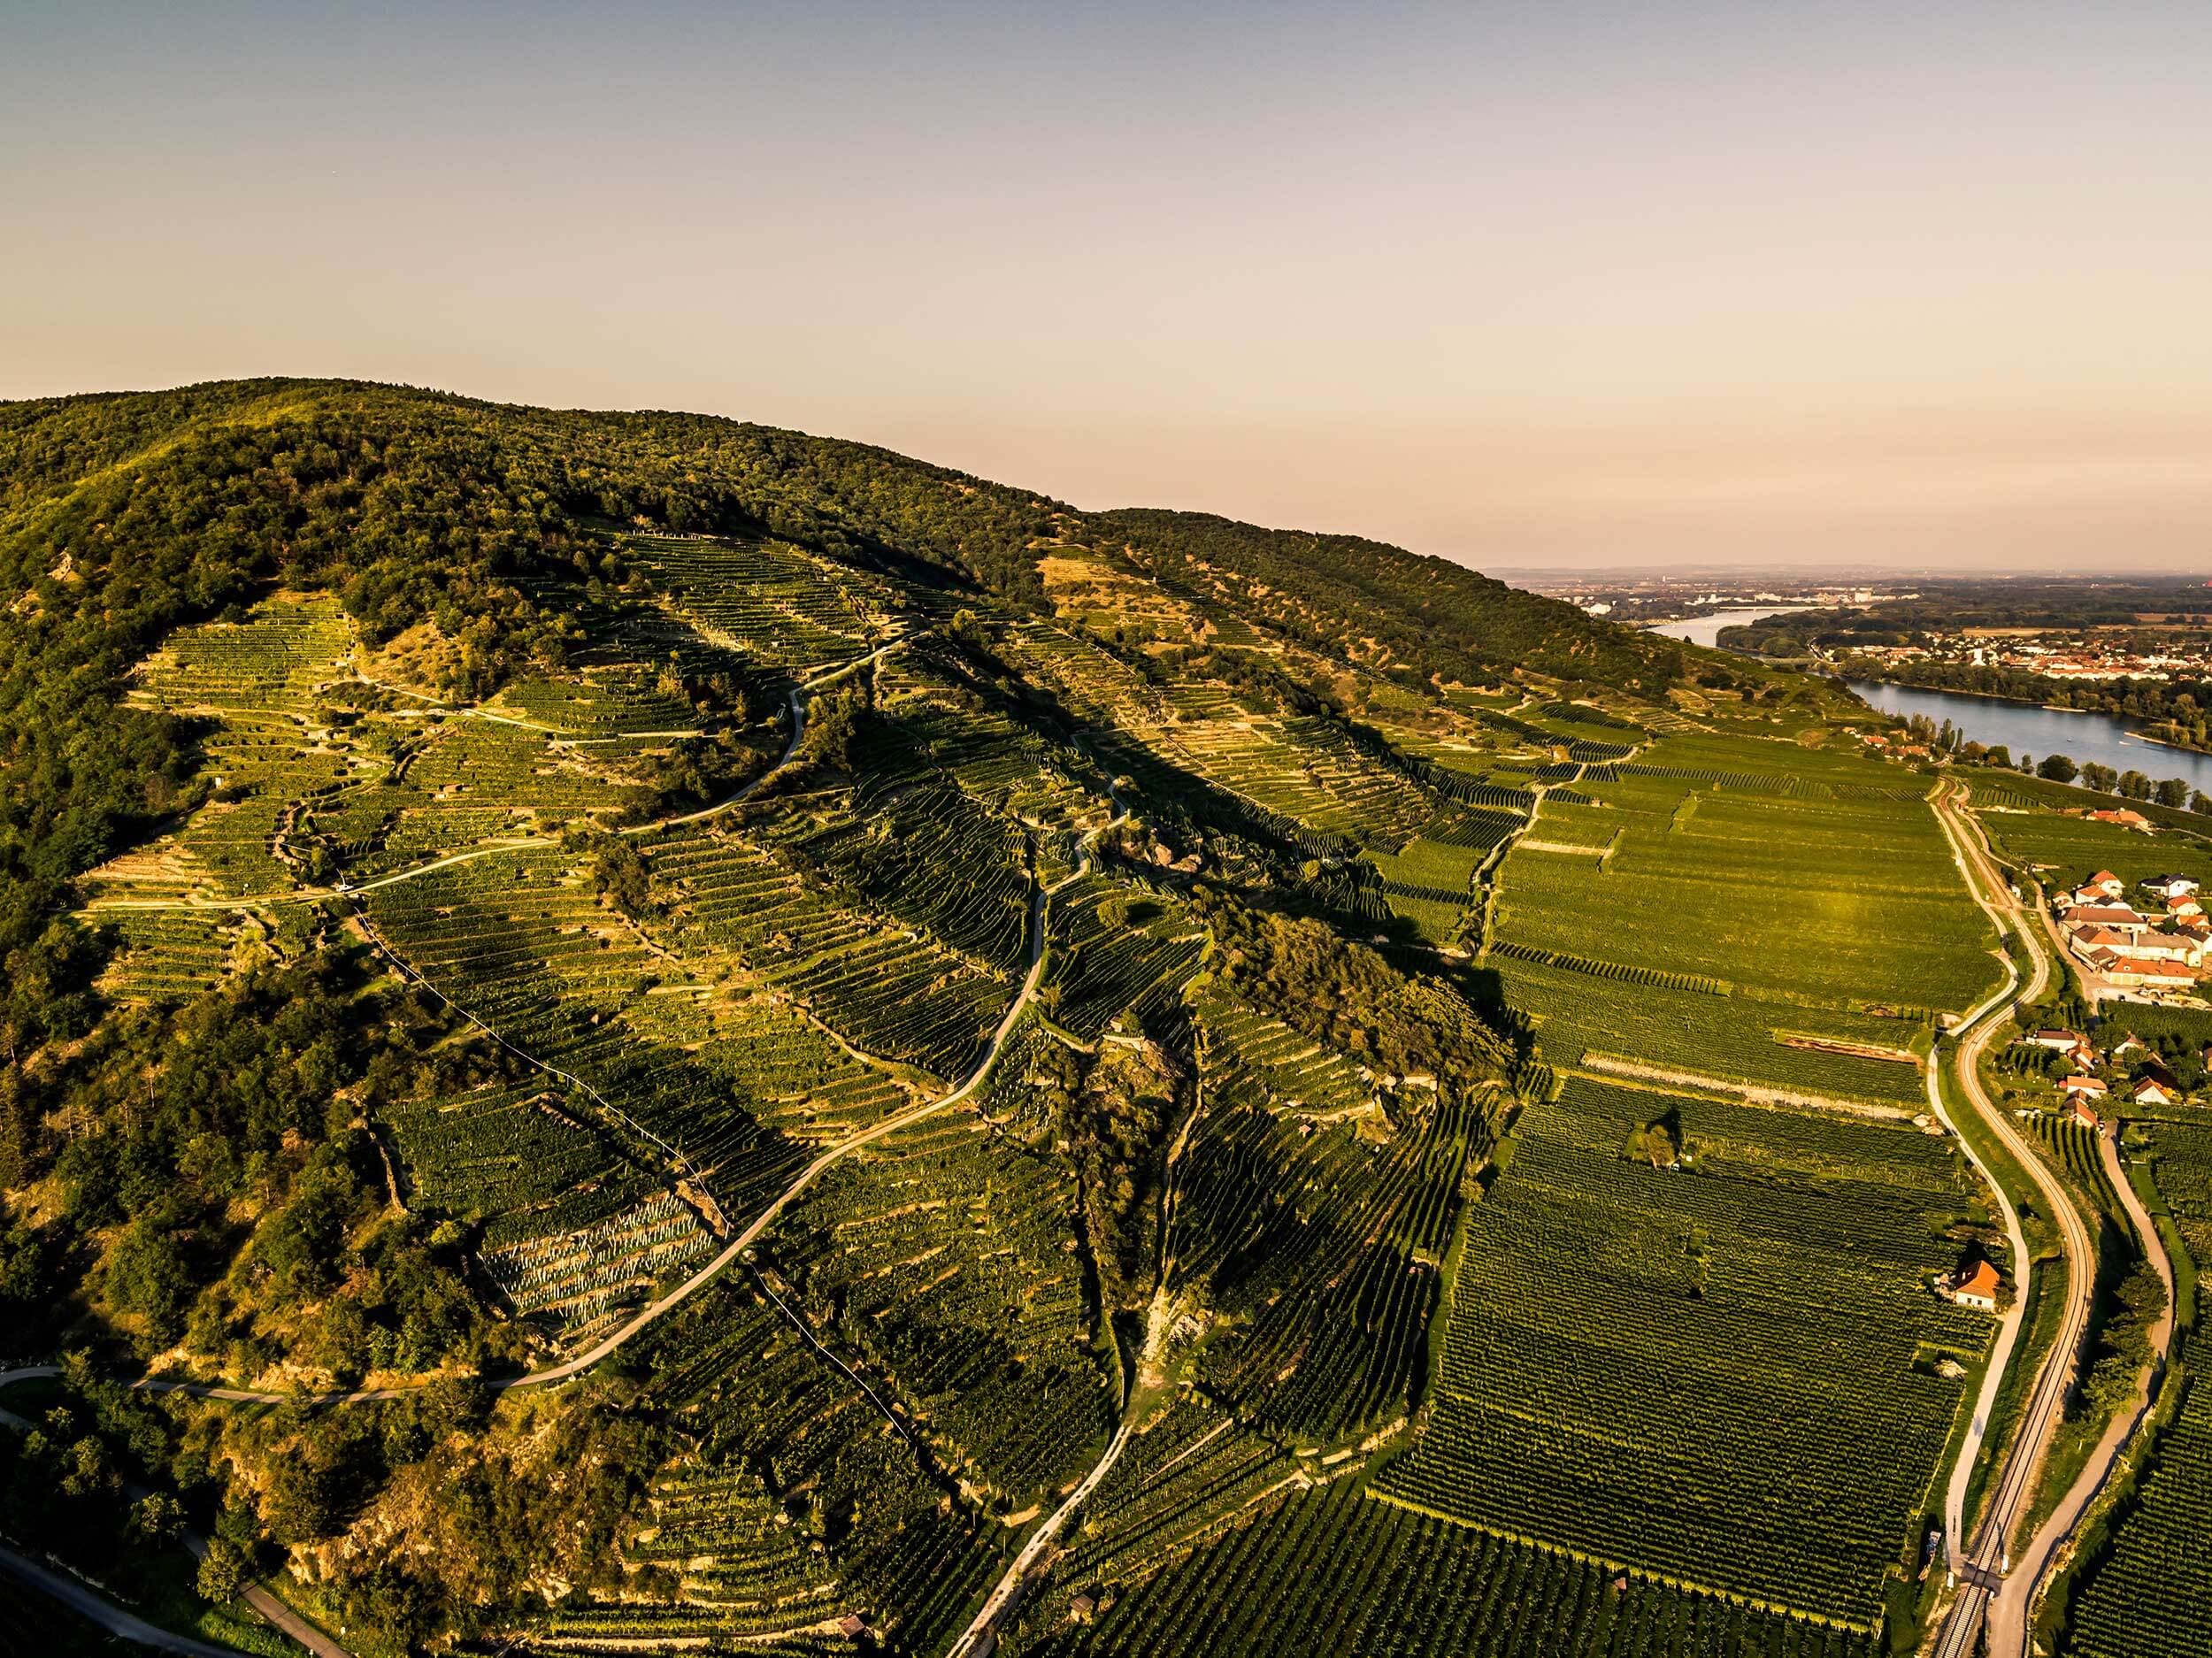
(2026, 728)
(1705, 630)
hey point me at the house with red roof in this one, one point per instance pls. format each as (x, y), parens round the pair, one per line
(1976, 1287)
(2153, 1091)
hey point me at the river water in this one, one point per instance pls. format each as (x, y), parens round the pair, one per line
(1705, 630)
(2022, 727)
(2026, 729)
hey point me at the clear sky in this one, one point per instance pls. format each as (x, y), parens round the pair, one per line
(1523, 284)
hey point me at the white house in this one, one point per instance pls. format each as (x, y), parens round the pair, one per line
(1977, 1289)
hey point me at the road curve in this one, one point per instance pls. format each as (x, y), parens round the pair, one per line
(89, 1604)
(2011, 1618)
(1990, 1589)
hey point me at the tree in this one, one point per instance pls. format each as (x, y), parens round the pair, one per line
(2135, 786)
(147, 1275)
(222, 1572)
(156, 1520)
(2000, 754)
(2057, 768)
(2173, 792)
(2100, 777)
(2200, 803)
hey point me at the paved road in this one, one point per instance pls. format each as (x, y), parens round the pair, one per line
(2009, 1326)
(89, 1604)
(276, 1611)
(1996, 1590)
(2009, 1617)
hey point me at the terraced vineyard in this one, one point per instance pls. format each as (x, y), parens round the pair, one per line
(936, 1069)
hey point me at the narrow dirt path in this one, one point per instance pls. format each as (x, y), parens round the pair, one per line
(319, 895)
(654, 1311)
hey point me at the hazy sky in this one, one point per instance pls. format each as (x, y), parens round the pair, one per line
(1521, 284)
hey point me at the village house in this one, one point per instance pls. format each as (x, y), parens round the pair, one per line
(2159, 946)
(2088, 940)
(2151, 1091)
(2082, 1087)
(2123, 918)
(2172, 889)
(2073, 1044)
(1977, 1288)
(2149, 975)
(2082, 1113)
(2126, 819)
(2164, 945)
(2106, 882)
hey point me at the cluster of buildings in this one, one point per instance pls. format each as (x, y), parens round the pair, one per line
(1890, 747)
(2084, 1092)
(2160, 949)
(2077, 658)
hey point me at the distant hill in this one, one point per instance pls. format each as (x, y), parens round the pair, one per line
(415, 505)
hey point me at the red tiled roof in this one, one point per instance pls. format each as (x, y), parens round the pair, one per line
(1982, 1281)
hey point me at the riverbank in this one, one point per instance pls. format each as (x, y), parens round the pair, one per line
(2135, 732)
(2040, 729)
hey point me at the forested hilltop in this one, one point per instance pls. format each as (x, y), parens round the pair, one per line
(720, 1038)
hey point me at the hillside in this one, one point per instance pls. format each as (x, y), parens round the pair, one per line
(727, 1038)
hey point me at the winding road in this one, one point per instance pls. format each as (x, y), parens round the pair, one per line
(1994, 1589)
(97, 1609)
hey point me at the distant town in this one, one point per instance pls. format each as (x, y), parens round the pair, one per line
(1645, 600)
(2052, 654)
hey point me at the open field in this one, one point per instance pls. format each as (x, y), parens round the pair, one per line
(1851, 898)
(1677, 1372)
